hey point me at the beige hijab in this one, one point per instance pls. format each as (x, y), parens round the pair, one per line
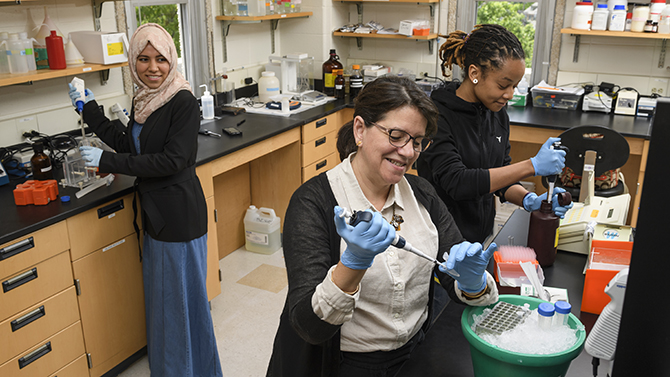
(148, 100)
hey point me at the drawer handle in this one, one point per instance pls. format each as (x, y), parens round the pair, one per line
(18, 281)
(321, 164)
(36, 354)
(321, 122)
(28, 318)
(320, 141)
(17, 248)
(109, 209)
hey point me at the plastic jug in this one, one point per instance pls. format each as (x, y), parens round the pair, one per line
(55, 51)
(268, 86)
(261, 228)
(16, 55)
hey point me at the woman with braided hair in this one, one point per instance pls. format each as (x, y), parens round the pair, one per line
(469, 160)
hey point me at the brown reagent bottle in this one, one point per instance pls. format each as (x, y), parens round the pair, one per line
(543, 230)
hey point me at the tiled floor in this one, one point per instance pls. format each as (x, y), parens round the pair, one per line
(245, 314)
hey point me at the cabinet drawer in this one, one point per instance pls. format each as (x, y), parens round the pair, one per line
(28, 250)
(34, 284)
(318, 148)
(101, 226)
(320, 166)
(37, 323)
(47, 356)
(77, 368)
(320, 127)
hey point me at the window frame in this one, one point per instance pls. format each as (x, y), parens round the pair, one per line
(194, 36)
(544, 26)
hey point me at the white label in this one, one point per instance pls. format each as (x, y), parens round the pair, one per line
(257, 238)
(115, 244)
(112, 215)
(44, 170)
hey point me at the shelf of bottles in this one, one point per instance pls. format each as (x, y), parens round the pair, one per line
(46, 74)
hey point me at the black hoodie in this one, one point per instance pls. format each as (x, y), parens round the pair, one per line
(470, 140)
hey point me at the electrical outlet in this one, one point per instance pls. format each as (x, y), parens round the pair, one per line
(659, 86)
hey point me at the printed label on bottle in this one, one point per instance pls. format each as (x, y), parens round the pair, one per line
(257, 238)
(339, 87)
(328, 80)
(356, 82)
(44, 170)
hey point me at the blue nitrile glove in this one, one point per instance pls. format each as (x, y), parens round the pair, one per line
(470, 261)
(532, 202)
(74, 96)
(549, 161)
(364, 241)
(91, 155)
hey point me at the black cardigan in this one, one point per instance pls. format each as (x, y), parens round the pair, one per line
(173, 203)
(305, 345)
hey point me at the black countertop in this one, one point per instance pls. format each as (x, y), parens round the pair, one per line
(629, 126)
(17, 221)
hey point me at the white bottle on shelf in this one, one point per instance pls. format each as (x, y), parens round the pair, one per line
(617, 20)
(655, 10)
(664, 23)
(581, 16)
(600, 16)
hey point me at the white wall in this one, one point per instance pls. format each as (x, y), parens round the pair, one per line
(249, 47)
(627, 62)
(45, 105)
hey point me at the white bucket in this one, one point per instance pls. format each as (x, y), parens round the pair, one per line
(261, 230)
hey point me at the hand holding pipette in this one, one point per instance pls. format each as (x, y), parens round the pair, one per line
(398, 240)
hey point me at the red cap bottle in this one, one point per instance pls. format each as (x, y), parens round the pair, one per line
(55, 51)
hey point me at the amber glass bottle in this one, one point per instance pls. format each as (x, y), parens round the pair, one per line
(41, 164)
(328, 75)
(339, 84)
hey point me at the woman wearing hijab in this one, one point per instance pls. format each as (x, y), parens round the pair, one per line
(159, 147)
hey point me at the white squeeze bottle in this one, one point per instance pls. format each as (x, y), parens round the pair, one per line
(207, 104)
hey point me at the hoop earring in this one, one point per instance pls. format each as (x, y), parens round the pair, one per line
(475, 81)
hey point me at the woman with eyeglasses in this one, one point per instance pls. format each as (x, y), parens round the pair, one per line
(357, 306)
(469, 161)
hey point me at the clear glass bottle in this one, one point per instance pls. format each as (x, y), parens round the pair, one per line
(269, 7)
(562, 315)
(41, 164)
(545, 316)
(242, 8)
(297, 6)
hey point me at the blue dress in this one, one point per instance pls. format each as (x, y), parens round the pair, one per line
(180, 333)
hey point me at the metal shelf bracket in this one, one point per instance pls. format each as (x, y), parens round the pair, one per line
(661, 58)
(575, 53)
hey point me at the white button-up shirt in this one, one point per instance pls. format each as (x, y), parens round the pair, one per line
(392, 303)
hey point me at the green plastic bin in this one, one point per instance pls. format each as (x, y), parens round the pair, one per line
(491, 361)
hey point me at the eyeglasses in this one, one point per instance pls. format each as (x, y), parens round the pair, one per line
(400, 138)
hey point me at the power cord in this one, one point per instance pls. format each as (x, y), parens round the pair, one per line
(596, 363)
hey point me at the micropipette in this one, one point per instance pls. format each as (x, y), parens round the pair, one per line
(399, 241)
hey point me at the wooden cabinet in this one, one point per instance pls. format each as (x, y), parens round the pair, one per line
(108, 274)
(319, 143)
(40, 325)
(204, 173)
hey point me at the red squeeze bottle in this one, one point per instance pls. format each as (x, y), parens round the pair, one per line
(55, 51)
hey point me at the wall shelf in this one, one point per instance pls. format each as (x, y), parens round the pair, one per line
(430, 38)
(577, 33)
(389, 1)
(274, 22)
(46, 74)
